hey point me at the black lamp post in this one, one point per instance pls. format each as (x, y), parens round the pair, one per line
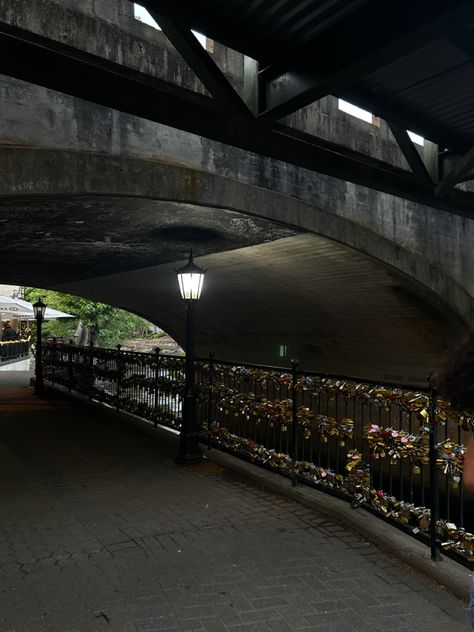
(190, 278)
(39, 309)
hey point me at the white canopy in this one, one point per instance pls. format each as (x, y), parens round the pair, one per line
(18, 308)
(10, 307)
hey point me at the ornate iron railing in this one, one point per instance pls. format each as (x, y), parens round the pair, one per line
(12, 349)
(395, 450)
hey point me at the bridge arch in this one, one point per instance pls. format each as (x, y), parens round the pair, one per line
(42, 172)
(346, 300)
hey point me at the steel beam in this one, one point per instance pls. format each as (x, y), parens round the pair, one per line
(415, 161)
(457, 174)
(325, 66)
(415, 121)
(57, 66)
(431, 159)
(201, 63)
(251, 96)
(202, 18)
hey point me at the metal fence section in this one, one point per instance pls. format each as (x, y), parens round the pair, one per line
(147, 385)
(12, 349)
(395, 450)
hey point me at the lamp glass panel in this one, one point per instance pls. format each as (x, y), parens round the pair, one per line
(39, 309)
(190, 285)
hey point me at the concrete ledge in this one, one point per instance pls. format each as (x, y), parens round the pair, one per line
(447, 573)
(22, 363)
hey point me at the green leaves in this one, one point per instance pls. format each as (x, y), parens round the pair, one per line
(115, 325)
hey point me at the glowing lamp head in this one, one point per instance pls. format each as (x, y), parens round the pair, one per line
(190, 279)
(39, 309)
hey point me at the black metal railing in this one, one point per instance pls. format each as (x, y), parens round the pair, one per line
(12, 349)
(395, 450)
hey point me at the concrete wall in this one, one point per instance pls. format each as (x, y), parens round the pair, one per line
(432, 246)
(109, 29)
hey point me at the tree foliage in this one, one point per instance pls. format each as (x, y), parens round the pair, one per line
(114, 325)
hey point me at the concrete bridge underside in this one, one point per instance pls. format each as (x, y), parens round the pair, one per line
(103, 203)
(114, 228)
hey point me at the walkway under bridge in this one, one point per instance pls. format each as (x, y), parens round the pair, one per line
(396, 450)
(100, 530)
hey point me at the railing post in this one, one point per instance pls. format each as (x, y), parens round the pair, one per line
(119, 376)
(39, 382)
(157, 375)
(434, 480)
(69, 366)
(90, 380)
(294, 418)
(52, 360)
(209, 400)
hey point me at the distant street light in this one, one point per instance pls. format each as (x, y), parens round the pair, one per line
(39, 310)
(190, 279)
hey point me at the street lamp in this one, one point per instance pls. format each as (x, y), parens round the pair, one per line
(190, 279)
(39, 310)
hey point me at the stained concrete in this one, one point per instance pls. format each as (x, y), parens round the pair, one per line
(70, 147)
(440, 243)
(330, 306)
(61, 240)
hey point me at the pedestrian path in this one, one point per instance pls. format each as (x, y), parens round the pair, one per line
(100, 530)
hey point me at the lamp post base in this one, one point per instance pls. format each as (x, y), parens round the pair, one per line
(188, 459)
(38, 387)
(189, 452)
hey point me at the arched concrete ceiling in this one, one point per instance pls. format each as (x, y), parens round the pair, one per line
(46, 173)
(86, 237)
(268, 285)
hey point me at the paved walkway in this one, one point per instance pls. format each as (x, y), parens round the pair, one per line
(99, 530)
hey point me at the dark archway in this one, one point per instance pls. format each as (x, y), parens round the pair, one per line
(273, 292)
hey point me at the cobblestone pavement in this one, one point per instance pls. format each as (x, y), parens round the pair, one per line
(100, 530)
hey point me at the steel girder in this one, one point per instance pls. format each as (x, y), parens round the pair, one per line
(60, 67)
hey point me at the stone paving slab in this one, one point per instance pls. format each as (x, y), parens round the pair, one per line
(100, 530)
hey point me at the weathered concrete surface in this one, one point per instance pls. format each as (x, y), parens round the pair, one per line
(67, 239)
(439, 243)
(33, 172)
(333, 308)
(299, 297)
(77, 148)
(108, 29)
